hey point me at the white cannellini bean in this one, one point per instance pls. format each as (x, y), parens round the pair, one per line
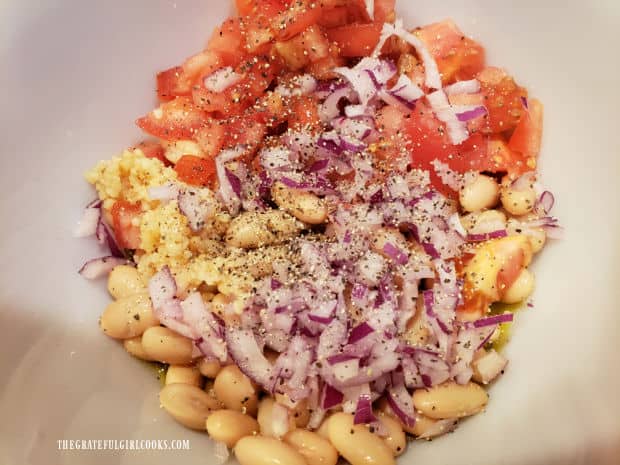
(235, 390)
(134, 347)
(228, 426)
(260, 450)
(124, 281)
(166, 346)
(521, 289)
(536, 236)
(128, 316)
(305, 206)
(480, 193)
(189, 405)
(251, 230)
(518, 202)
(484, 222)
(450, 400)
(356, 444)
(183, 374)
(209, 368)
(396, 439)
(265, 419)
(315, 449)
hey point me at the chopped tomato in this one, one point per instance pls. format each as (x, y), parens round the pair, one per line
(227, 41)
(297, 18)
(270, 109)
(308, 47)
(258, 74)
(211, 137)
(304, 114)
(356, 40)
(384, 11)
(506, 159)
(125, 220)
(174, 120)
(200, 65)
(256, 26)
(152, 149)
(527, 136)
(428, 140)
(245, 130)
(196, 171)
(502, 98)
(458, 57)
(170, 84)
(324, 68)
(334, 17)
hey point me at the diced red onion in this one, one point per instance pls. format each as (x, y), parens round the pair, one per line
(431, 250)
(397, 255)
(166, 192)
(471, 86)
(318, 165)
(221, 452)
(524, 103)
(339, 358)
(360, 332)
(524, 181)
(546, 201)
(329, 109)
(87, 226)
(449, 177)
(331, 397)
(490, 366)
(487, 236)
(235, 182)
(468, 115)
(248, 356)
(363, 411)
(197, 210)
(457, 130)
(222, 79)
(401, 403)
(432, 77)
(493, 320)
(98, 267)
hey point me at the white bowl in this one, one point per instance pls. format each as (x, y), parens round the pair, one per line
(74, 77)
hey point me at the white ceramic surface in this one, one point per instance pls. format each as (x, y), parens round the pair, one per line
(75, 74)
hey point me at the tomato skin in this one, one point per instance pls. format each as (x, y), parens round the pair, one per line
(174, 120)
(227, 41)
(196, 171)
(296, 19)
(384, 11)
(334, 17)
(502, 98)
(123, 215)
(527, 136)
(356, 40)
(170, 84)
(458, 57)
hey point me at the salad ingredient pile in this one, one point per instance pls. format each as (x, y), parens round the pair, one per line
(321, 230)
